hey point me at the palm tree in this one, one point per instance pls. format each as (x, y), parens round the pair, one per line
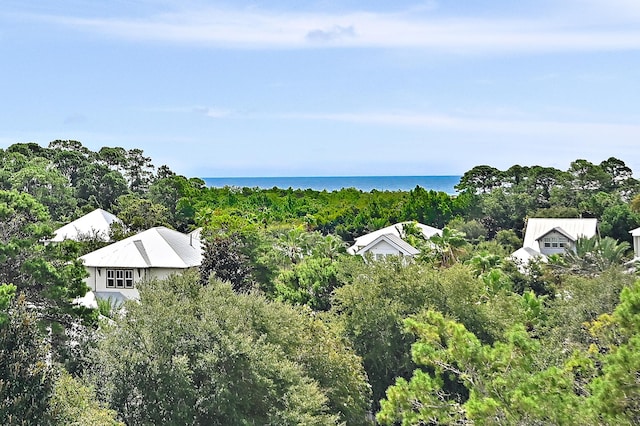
(330, 246)
(293, 244)
(448, 246)
(484, 261)
(593, 256)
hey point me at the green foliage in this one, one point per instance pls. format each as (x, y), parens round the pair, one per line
(447, 247)
(370, 310)
(173, 193)
(26, 376)
(140, 214)
(307, 267)
(377, 297)
(484, 262)
(592, 256)
(138, 170)
(617, 220)
(429, 207)
(98, 186)
(508, 239)
(635, 204)
(222, 358)
(46, 184)
(557, 212)
(50, 275)
(615, 392)
(107, 307)
(310, 282)
(225, 259)
(7, 291)
(473, 230)
(480, 179)
(579, 300)
(500, 382)
(73, 403)
(288, 243)
(507, 209)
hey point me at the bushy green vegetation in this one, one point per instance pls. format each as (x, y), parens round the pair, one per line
(280, 326)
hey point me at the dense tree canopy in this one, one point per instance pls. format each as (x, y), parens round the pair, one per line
(225, 359)
(280, 326)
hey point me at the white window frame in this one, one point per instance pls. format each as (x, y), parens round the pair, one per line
(120, 278)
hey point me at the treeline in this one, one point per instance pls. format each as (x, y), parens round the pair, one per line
(70, 180)
(606, 191)
(280, 326)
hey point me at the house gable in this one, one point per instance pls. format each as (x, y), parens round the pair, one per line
(388, 245)
(396, 229)
(556, 241)
(546, 236)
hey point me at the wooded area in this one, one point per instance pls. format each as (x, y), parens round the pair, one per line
(280, 326)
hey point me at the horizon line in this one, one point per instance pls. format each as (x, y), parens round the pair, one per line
(323, 176)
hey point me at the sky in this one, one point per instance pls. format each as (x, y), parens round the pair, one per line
(326, 88)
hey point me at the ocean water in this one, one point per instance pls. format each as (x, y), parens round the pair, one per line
(334, 183)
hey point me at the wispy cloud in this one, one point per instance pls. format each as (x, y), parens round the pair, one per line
(488, 125)
(212, 112)
(498, 121)
(335, 33)
(207, 111)
(258, 29)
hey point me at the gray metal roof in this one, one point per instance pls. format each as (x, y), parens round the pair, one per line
(158, 247)
(573, 228)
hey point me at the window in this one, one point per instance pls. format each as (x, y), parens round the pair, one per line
(555, 242)
(119, 278)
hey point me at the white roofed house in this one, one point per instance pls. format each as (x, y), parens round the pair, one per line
(115, 270)
(546, 236)
(389, 241)
(96, 224)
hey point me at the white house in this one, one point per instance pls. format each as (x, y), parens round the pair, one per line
(636, 243)
(389, 241)
(388, 245)
(547, 236)
(158, 252)
(96, 224)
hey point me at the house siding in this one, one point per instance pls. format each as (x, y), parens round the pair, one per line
(568, 245)
(384, 248)
(97, 279)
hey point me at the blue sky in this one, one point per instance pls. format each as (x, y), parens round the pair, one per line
(284, 88)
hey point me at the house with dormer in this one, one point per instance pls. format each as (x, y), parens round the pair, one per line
(547, 236)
